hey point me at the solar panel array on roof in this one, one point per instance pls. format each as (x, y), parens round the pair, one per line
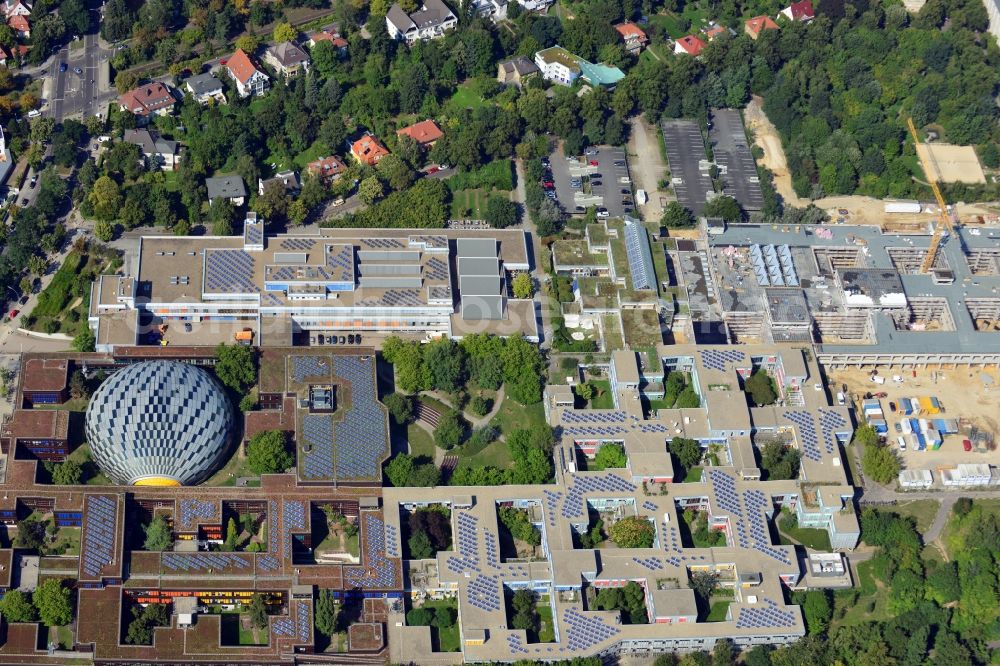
(807, 433)
(717, 359)
(100, 526)
(581, 485)
(379, 572)
(586, 631)
(770, 615)
(230, 271)
(204, 561)
(484, 593)
(317, 434)
(360, 439)
(194, 511)
(640, 260)
(299, 244)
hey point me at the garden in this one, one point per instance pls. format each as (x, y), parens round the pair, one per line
(63, 306)
(441, 615)
(336, 535)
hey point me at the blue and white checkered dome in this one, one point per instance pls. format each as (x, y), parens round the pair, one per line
(159, 423)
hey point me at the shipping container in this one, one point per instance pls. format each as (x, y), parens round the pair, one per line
(921, 442)
(907, 406)
(937, 404)
(905, 425)
(880, 426)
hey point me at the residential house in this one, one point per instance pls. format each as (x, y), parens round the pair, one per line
(633, 36)
(560, 66)
(149, 99)
(715, 32)
(759, 24)
(289, 180)
(368, 150)
(226, 187)
(5, 55)
(159, 151)
(801, 11)
(431, 21)
(535, 5)
(690, 45)
(327, 169)
(16, 8)
(6, 159)
(250, 80)
(515, 72)
(287, 59)
(20, 25)
(494, 10)
(206, 88)
(329, 35)
(425, 133)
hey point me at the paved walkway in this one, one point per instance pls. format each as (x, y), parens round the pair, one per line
(520, 198)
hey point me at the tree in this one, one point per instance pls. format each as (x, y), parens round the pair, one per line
(520, 527)
(30, 534)
(500, 213)
(450, 430)
(760, 386)
(725, 207)
(231, 536)
(16, 606)
(400, 407)
(125, 81)
(67, 473)
(676, 216)
(236, 366)
(222, 215)
(371, 190)
(396, 173)
(53, 600)
(817, 611)
(633, 532)
(479, 405)
(399, 468)
(445, 362)
(525, 611)
(325, 613)
(257, 610)
(880, 463)
(267, 452)
(105, 199)
(611, 456)
(158, 535)
(722, 654)
(444, 617)
(85, 341)
(523, 286)
(687, 451)
(420, 546)
(247, 43)
(104, 230)
(284, 32)
(419, 617)
(586, 391)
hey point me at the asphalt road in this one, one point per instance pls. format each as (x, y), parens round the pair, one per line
(84, 94)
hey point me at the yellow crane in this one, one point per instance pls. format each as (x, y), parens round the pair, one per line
(944, 223)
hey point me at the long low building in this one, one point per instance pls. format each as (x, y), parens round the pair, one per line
(292, 289)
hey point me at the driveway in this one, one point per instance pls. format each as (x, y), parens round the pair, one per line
(648, 167)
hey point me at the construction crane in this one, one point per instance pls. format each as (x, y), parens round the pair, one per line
(944, 223)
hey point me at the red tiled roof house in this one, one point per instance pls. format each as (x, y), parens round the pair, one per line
(799, 11)
(327, 169)
(425, 133)
(153, 98)
(689, 45)
(633, 36)
(368, 150)
(250, 79)
(758, 24)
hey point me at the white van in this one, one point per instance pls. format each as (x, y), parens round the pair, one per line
(640, 197)
(902, 442)
(841, 399)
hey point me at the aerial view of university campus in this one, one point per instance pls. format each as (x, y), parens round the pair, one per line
(500, 331)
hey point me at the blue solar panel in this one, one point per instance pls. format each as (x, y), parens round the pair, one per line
(379, 572)
(99, 531)
(360, 440)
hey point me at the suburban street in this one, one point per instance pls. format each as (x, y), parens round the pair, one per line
(72, 95)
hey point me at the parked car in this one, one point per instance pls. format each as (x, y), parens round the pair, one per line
(343, 339)
(34, 181)
(619, 163)
(590, 151)
(14, 313)
(593, 162)
(357, 339)
(350, 339)
(77, 70)
(625, 190)
(596, 175)
(319, 338)
(62, 67)
(548, 184)
(187, 327)
(595, 183)
(892, 406)
(897, 427)
(603, 213)
(966, 445)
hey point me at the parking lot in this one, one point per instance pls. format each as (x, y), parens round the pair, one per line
(686, 154)
(732, 154)
(603, 171)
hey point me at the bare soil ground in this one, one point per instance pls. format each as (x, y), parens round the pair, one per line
(962, 394)
(952, 164)
(860, 210)
(646, 166)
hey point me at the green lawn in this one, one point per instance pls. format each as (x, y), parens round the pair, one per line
(92, 474)
(546, 633)
(642, 327)
(718, 611)
(494, 453)
(465, 97)
(66, 296)
(669, 21)
(693, 475)
(63, 636)
(922, 511)
(870, 605)
(603, 398)
(421, 442)
(317, 150)
(810, 537)
(471, 204)
(449, 639)
(513, 415)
